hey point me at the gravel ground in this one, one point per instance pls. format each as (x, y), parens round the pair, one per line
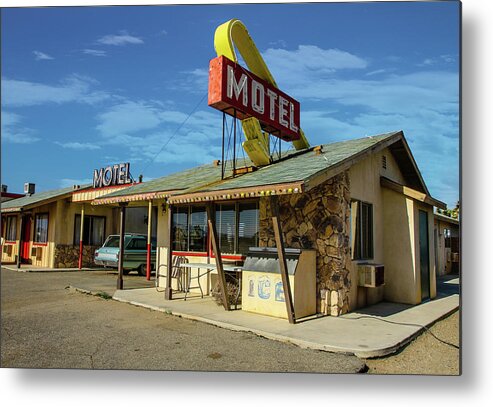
(425, 354)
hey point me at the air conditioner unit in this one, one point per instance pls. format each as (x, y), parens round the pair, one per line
(370, 275)
(37, 252)
(29, 188)
(7, 249)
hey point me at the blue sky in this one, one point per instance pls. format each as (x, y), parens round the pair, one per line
(85, 87)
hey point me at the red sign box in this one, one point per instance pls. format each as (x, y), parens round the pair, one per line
(233, 89)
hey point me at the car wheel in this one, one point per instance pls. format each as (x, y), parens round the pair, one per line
(142, 270)
(125, 272)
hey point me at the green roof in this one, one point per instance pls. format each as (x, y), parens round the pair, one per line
(300, 166)
(292, 167)
(36, 198)
(201, 175)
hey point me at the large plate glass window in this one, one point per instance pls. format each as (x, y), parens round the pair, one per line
(94, 230)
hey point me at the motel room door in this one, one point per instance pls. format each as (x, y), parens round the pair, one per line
(26, 239)
(424, 255)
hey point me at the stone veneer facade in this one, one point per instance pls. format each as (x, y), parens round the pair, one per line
(318, 219)
(68, 256)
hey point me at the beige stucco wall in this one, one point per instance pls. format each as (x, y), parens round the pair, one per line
(395, 234)
(66, 212)
(399, 256)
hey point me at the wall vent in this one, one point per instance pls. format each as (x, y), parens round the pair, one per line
(384, 162)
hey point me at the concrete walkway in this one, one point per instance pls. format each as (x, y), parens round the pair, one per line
(374, 331)
(27, 268)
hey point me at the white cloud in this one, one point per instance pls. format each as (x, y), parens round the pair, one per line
(78, 146)
(119, 39)
(376, 72)
(289, 65)
(94, 52)
(13, 132)
(68, 182)
(74, 88)
(128, 117)
(40, 56)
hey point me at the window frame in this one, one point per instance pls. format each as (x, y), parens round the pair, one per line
(217, 206)
(9, 222)
(88, 221)
(187, 209)
(360, 251)
(36, 220)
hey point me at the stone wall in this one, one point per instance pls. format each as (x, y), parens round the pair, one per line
(319, 220)
(67, 256)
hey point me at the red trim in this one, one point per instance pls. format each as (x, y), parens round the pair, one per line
(39, 244)
(230, 256)
(191, 254)
(11, 195)
(10, 242)
(148, 259)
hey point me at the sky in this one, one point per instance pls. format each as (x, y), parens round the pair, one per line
(86, 87)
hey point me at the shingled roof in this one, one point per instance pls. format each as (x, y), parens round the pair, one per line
(39, 198)
(295, 170)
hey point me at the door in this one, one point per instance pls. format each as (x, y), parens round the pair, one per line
(26, 240)
(424, 255)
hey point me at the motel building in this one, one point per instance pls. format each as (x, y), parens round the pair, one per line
(356, 215)
(60, 228)
(315, 230)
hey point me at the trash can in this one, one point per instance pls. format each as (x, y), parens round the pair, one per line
(262, 289)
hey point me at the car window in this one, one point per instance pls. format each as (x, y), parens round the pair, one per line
(113, 241)
(137, 244)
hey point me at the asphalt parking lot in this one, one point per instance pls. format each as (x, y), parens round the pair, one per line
(47, 325)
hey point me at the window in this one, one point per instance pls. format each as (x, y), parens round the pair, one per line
(237, 226)
(94, 230)
(190, 229)
(137, 244)
(41, 228)
(362, 230)
(247, 226)
(11, 228)
(226, 227)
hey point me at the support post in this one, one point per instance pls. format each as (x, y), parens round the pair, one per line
(286, 286)
(217, 253)
(222, 156)
(234, 144)
(119, 283)
(149, 231)
(19, 247)
(81, 236)
(168, 293)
